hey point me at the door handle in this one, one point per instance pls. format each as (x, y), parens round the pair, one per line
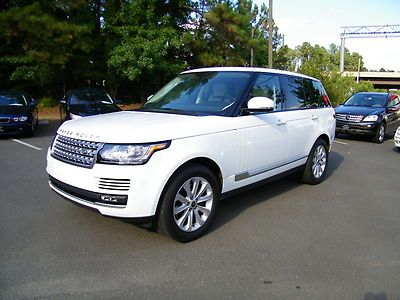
(314, 118)
(281, 122)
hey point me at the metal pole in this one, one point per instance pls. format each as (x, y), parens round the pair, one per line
(270, 33)
(342, 41)
(251, 50)
(358, 70)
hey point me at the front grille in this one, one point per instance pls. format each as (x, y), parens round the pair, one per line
(114, 184)
(4, 120)
(77, 152)
(349, 118)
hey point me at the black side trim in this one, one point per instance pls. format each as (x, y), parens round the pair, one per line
(246, 175)
(262, 182)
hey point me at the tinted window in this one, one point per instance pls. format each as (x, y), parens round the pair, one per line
(89, 97)
(295, 97)
(373, 100)
(12, 100)
(393, 101)
(268, 86)
(202, 92)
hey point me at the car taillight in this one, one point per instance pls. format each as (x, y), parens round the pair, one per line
(326, 100)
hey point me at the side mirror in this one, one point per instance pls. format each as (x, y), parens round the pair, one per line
(34, 102)
(63, 101)
(260, 104)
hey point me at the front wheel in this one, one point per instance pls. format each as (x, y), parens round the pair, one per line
(314, 171)
(189, 203)
(380, 134)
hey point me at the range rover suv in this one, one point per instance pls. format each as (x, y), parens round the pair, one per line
(206, 134)
(369, 114)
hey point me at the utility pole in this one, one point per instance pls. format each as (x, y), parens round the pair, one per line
(252, 50)
(270, 33)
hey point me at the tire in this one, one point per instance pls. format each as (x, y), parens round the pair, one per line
(380, 134)
(184, 216)
(314, 171)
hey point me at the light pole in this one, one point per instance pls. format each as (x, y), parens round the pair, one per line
(270, 33)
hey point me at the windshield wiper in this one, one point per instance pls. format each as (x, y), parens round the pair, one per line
(169, 111)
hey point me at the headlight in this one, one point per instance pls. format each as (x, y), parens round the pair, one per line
(129, 154)
(20, 119)
(371, 118)
(73, 117)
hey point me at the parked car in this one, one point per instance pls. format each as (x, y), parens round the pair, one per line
(18, 113)
(84, 102)
(205, 135)
(397, 138)
(369, 114)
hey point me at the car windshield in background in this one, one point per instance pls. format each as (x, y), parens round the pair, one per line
(214, 93)
(372, 100)
(90, 97)
(12, 100)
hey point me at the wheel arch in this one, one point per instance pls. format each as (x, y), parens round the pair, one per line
(325, 138)
(203, 161)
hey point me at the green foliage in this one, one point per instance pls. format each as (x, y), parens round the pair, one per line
(133, 47)
(36, 43)
(46, 102)
(322, 63)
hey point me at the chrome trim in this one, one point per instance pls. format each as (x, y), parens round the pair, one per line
(76, 152)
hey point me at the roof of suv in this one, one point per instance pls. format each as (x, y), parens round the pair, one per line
(247, 69)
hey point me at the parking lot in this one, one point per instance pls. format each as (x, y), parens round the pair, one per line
(284, 240)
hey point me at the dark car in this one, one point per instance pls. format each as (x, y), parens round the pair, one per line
(86, 102)
(18, 113)
(369, 114)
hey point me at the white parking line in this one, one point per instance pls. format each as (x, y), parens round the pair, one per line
(26, 144)
(341, 143)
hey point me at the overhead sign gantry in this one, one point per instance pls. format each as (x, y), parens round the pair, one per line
(374, 31)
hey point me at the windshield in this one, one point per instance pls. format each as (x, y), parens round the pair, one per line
(214, 93)
(89, 97)
(12, 100)
(372, 100)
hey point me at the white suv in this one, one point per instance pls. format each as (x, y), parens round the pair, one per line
(206, 134)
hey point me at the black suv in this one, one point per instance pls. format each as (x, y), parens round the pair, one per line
(86, 102)
(369, 114)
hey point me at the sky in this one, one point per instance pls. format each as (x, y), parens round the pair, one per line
(320, 22)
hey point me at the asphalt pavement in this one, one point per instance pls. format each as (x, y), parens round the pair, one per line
(284, 240)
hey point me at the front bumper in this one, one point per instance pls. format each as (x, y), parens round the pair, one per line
(360, 128)
(15, 128)
(140, 185)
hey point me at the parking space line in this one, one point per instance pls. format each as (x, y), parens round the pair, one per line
(28, 145)
(341, 143)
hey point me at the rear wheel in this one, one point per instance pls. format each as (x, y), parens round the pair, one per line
(189, 203)
(380, 134)
(315, 170)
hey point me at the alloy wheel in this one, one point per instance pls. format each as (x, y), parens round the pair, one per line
(192, 204)
(319, 161)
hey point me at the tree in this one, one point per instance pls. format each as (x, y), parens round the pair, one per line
(148, 46)
(38, 41)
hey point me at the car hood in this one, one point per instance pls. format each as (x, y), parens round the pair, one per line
(359, 110)
(92, 109)
(143, 127)
(14, 110)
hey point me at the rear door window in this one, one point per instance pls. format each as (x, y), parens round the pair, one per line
(294, 91)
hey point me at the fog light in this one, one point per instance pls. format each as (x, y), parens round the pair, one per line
(114, 199)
